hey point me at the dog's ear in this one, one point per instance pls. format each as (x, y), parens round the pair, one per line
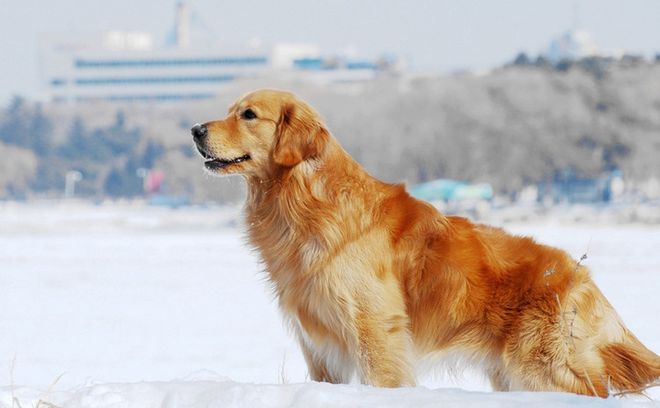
(301, 136)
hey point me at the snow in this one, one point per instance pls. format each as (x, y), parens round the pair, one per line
(135, 306)
(209, 394)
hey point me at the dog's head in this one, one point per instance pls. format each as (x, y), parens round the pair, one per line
(264, 131)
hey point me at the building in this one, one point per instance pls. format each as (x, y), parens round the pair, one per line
(571, 45)
(567, 187)
(126, 66)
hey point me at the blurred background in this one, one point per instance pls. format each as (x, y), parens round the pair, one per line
(122, 260)
(506, 102)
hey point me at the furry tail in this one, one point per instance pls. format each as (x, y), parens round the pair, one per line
(630, 366)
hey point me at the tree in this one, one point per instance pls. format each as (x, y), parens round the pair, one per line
(118, 138)
(14, 128)
(152, 152)
(76, 142)
(124, 181)
(522, 59)
(39, 132)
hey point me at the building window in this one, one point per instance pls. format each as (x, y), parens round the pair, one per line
(147, 80)
(147, 97)
(165, 62)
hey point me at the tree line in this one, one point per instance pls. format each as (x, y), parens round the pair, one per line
(521, 124)
(108, 157)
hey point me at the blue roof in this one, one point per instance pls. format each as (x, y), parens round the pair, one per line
(309, 63)
(445, 189)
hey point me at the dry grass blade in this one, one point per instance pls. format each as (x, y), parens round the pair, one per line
(639, 391)
(284, 379)
(14, 401)
(48, 404)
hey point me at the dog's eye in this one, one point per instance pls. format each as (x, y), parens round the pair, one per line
(248, 114)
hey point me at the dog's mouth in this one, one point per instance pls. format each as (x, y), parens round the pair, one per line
(214, 163)
(220, 163)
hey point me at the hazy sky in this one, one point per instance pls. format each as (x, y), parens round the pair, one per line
(432, 35)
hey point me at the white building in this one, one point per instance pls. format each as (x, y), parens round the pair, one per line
(125, 66)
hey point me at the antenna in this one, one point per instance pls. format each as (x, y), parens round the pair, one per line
(182, 27)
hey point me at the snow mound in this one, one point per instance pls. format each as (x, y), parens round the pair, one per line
(209, 394)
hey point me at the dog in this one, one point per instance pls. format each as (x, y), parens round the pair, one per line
(373, 280)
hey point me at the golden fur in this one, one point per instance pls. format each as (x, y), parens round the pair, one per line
(373, 280)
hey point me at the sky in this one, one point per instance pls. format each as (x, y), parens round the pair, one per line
(432, 36)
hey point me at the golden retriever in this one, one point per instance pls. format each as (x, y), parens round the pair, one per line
(372, 280)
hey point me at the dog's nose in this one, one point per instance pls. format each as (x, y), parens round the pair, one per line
(199, 131)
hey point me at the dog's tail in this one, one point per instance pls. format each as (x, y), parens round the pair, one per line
(630, 366)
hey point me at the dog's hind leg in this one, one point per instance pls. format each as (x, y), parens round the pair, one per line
(552, 348)
(605, 347)
(579, 345)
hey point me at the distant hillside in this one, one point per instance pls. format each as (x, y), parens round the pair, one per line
(517, 125)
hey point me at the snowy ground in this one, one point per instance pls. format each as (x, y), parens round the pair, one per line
(135, 307)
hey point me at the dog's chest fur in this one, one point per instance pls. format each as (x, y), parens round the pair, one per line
(317, 282)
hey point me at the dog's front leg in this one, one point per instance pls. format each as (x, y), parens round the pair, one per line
(384, 349)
